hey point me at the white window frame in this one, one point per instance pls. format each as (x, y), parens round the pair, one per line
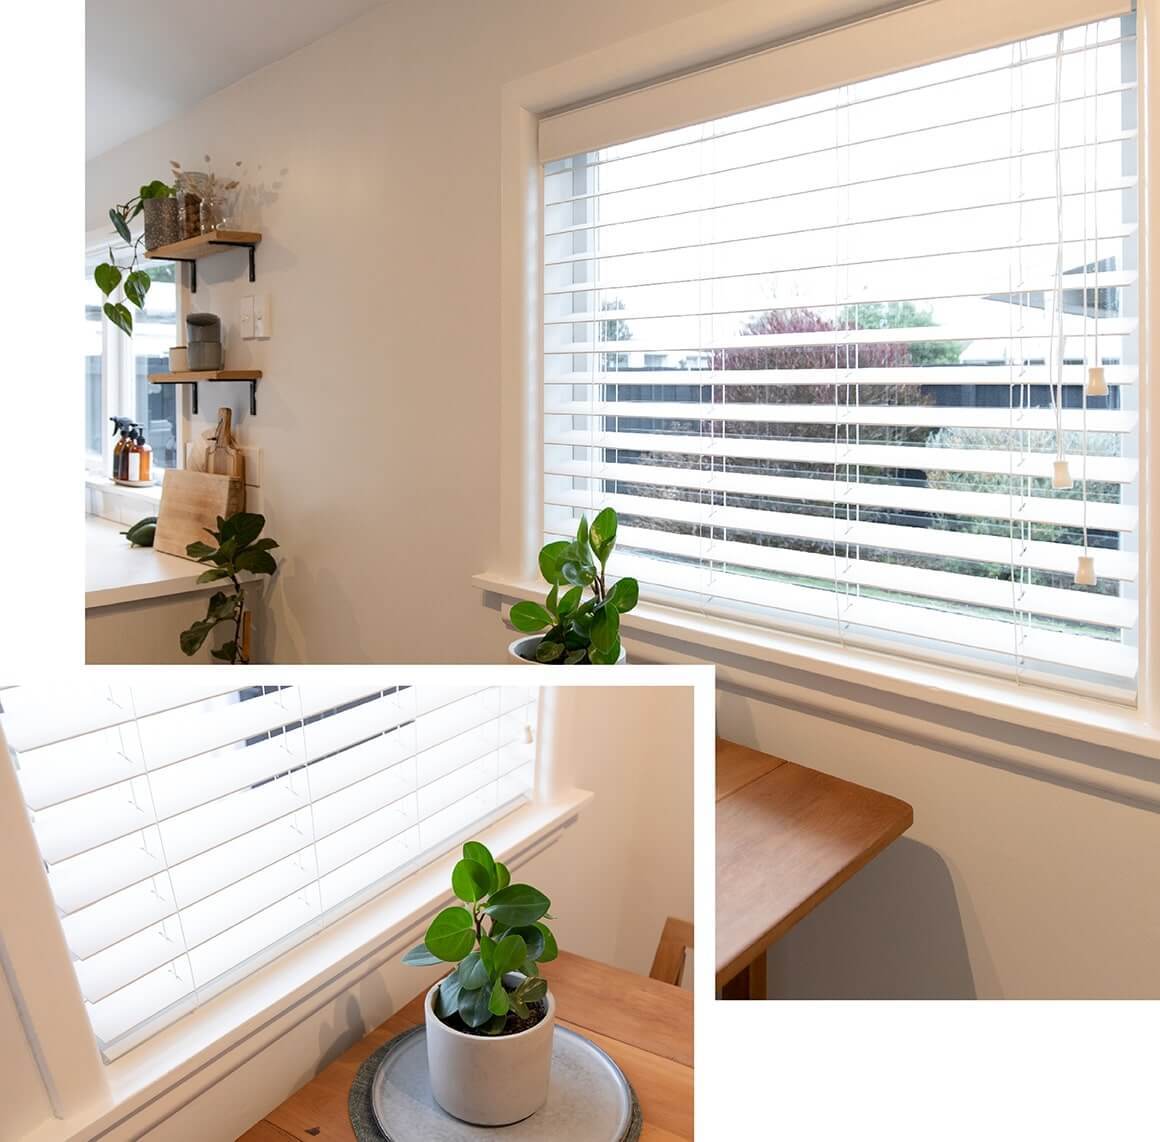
(89, 1096)
(117, 380)
(865, 685)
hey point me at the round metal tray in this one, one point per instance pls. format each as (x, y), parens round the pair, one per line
(589, 1099)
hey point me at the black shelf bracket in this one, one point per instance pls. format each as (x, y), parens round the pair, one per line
(192, 264)
(194, 396)
(248, 245)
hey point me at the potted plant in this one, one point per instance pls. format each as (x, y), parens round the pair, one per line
(238, 549)
(579, 630)
(489, 1023)
(160, 227)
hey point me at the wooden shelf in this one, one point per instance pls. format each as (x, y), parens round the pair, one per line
(202, 246)
(250, 376)
(206, 375)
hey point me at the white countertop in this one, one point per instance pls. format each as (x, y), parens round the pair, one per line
(117, 572)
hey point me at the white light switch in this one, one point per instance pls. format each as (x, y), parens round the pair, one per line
(262, 315)
(247, 318)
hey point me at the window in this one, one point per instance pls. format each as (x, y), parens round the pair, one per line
(117, 368)
(885, 300)
(192, 831)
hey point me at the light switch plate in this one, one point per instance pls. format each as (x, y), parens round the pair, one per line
(247, 326)
(262, 315)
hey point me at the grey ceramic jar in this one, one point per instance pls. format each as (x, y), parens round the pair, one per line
(160, 222)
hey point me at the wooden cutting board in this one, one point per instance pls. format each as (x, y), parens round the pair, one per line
(191, 502)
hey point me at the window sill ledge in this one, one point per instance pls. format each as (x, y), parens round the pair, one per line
(1029, 727)
(231, 1028)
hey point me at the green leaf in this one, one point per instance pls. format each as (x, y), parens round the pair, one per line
(602, 534)
(579, 574)
(570, 601)
(473, 972)
(528, 967)
(608, 657)
(573, 657)
(199, 550)
(447, 997)
(157, 189)
(474, 1006)
(549, 651)
(245, 527)
(212, 574)
(481, 854)
(510, 952)
(487, 948)
(529, 617)
(451, 935)
(469, 880)
(227, 652)
(120, 316)
(136, 287)
(623, 595)
(533, 941)
(551, 602)
(418, 956)
(191, 638)
(551, 557)
(495, 1025)
(517, 905)
(259, 562)
(532, 990)
(497, 1003)
(107, 277)
(264, 544)
(518, 1005)
(551, 950)
(119, 224)
(582, 539)
(221, 606)
(605, 627)
(503, 877)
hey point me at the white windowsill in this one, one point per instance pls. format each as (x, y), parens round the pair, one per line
(1031, 708)
(233, 1026)
(97, 482)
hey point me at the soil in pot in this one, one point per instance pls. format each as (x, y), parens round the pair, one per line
(513, 1026)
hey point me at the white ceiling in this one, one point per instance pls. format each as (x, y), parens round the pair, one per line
(147, 62)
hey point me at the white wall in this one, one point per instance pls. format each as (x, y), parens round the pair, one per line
(613, 877)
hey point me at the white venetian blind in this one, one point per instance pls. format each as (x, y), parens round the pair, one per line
(825, 358)
(190, 832)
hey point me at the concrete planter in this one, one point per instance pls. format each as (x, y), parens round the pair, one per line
(523, 650)
(160, 222)
(489, 1080)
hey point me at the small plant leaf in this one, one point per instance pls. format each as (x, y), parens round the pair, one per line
(472, 973)
(575, 656)
(579, 574)
(487, 954)
(529, 617)
(451, 935)
(582, 538)
(120, 316)
(623, 595)
(469, 881)
(420, 957)
(474, 1007)
(605, 627)
(212, 574)
(533, 940)
(533, 990)
(136, 287)
(570, 601)
(227, 652)
(503, 877)
(549, 651)
(518, 905)
(259, 562)
(498, 1000)
(551, 951)
(107, 277)
(481, 854)
(510, 952)
(119, 224)
(496, 1024)
(608, 657)
(199, 550)
(602, 534)
(551, 558)
(191, 638)
(447, 997)
(518, 1005)
(245, 527)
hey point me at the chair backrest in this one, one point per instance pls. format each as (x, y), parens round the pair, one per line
(675, 943)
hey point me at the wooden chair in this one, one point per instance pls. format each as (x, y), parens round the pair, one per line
(675, 944)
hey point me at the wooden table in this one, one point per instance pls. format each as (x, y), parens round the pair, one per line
(787, 837)
(646, 1026)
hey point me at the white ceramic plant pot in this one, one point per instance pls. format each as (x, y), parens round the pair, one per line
(489, 1080)
(524, 650)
